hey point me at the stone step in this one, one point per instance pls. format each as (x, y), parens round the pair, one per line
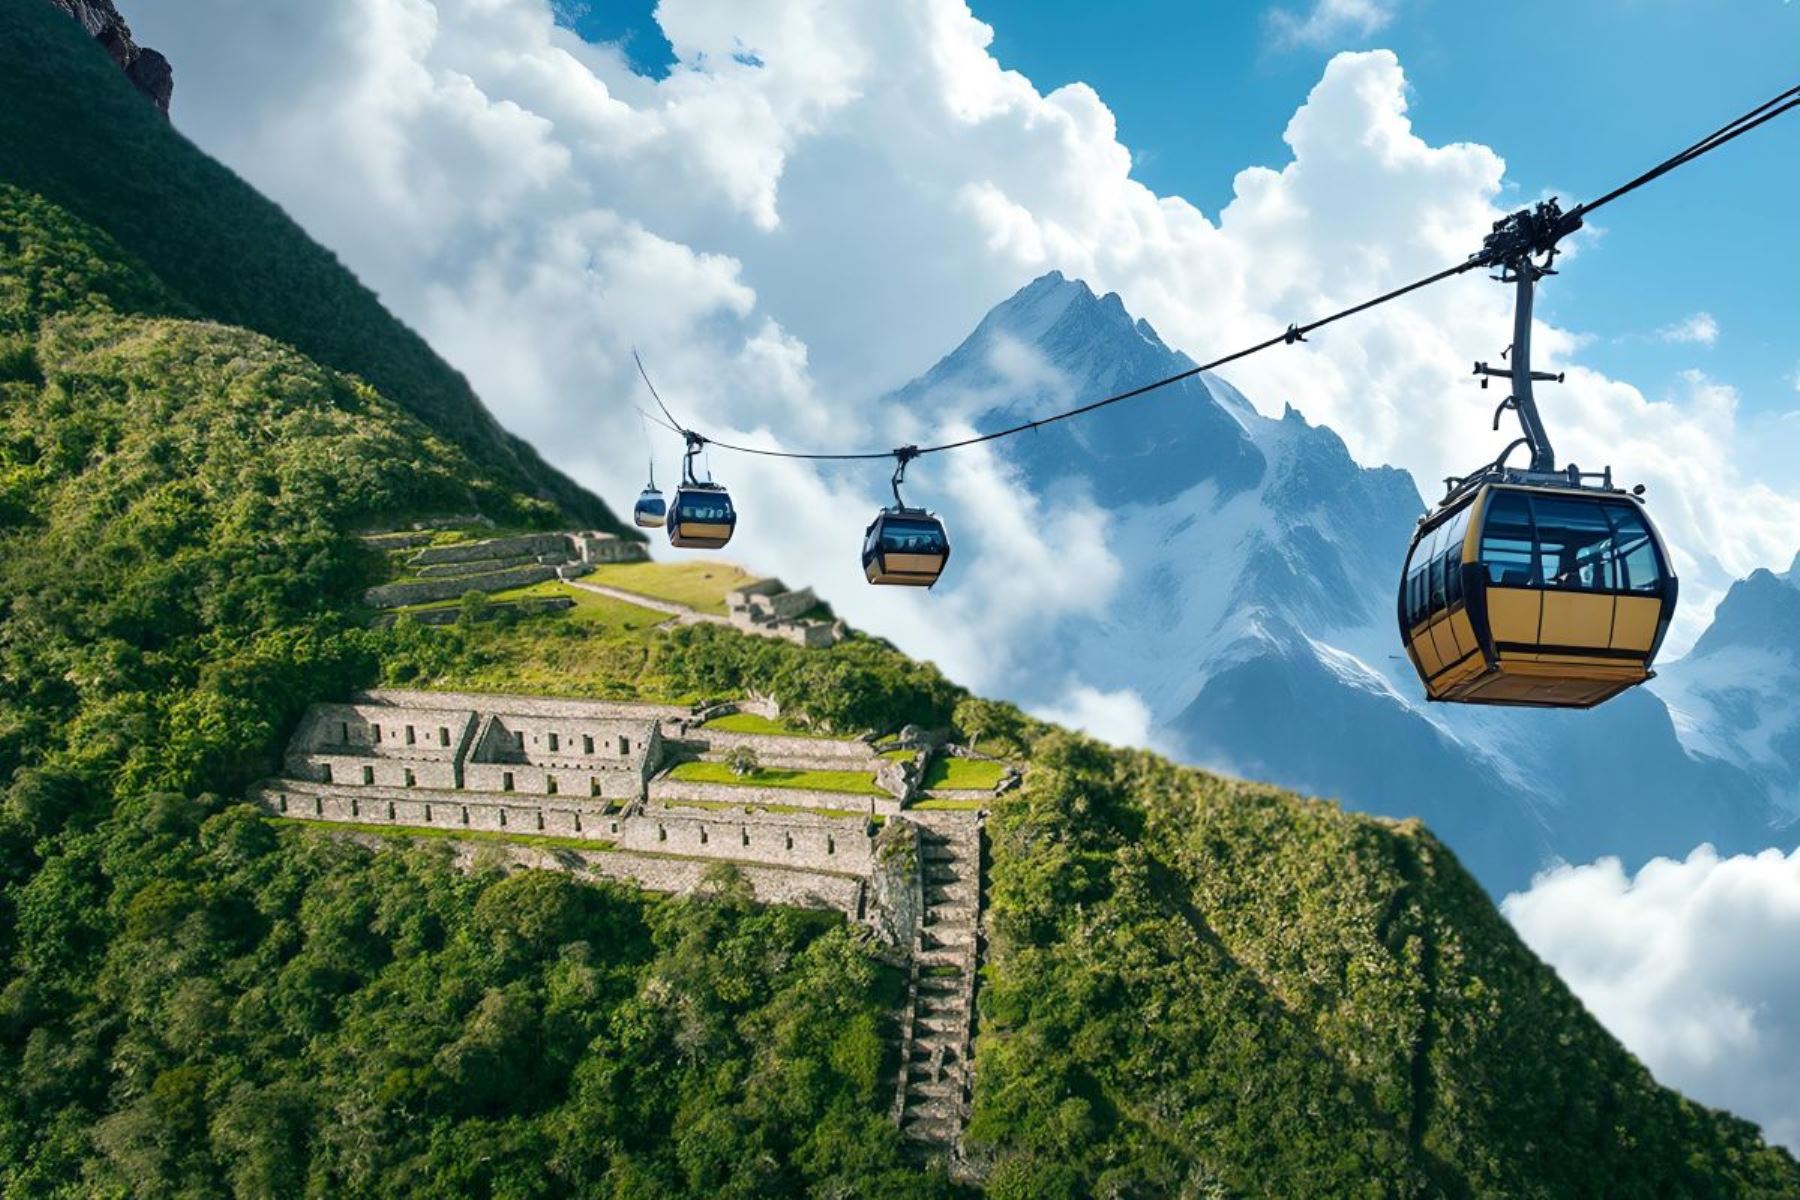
(923, 1053)
(935, 1109)
(922, 1092)
(929, 1027)
(938, 985)
(929, 1131)
(932, 1004)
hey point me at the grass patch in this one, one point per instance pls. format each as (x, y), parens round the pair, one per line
(590, 608)
(699, 585)
(942, 971)
(455, 834)
(899, 755)
(948, 805)
(753, 723)
(965, 774)
(857, 783)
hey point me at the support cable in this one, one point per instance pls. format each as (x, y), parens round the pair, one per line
(1497, 251)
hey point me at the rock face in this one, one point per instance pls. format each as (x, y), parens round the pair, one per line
(146, 69)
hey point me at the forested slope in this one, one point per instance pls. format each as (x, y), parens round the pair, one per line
(73, 129)
(1194, 988)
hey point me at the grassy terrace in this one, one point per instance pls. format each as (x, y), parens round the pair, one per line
(967, 774)
(453, 834)
(699, 585)
(752, 723)
(590, 608)
(855, 783)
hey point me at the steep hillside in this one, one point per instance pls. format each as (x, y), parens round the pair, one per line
(1256, 563)
(74, 130)
(1194, 987)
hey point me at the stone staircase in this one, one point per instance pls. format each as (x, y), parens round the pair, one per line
(935, 1079)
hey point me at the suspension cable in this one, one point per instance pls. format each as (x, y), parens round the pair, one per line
(1487, 257)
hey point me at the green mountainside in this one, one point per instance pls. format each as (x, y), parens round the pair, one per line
(1194, 987)
(77, 132)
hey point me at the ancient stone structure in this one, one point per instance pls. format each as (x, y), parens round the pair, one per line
(579, 786)
(767, 608)
(148, 71)
(497, 564)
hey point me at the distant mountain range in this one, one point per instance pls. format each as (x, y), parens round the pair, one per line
(1255, 619)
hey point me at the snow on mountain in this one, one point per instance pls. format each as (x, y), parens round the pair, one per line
(1736, 695)
(1255, 615)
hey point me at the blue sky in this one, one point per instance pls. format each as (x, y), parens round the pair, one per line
(1575, 97)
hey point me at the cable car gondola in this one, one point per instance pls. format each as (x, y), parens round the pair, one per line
(651, 510)
(1534, 586)
(905, 547)
(702, 517)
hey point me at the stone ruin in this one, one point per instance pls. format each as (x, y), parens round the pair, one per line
(497, 564)
(582, 787)
(768, 608)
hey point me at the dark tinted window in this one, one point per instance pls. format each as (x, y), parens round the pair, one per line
(1506, 549)
(906, 536)
(708, 508)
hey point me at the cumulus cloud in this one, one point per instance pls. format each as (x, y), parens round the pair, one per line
(1690, 965)
(1121, 717)
(1329, 22)
(1700, 329)
(820, 198)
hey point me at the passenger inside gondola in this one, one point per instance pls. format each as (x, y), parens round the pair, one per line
(902, 536)
(700, 509)
(1566, 544)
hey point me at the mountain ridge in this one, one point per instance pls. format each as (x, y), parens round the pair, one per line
(1257, 561)
(222, 248)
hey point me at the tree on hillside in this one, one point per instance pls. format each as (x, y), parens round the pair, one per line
(742, 760)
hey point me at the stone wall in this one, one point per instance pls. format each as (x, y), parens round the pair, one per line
(789, 841)
(669, 791)
(461, 570)
(825, 845)
(774, 750)
(431, 591)
(677, 876)
(528, 545)
(669, 716)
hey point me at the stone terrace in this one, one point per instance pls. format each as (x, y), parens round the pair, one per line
(582, 786)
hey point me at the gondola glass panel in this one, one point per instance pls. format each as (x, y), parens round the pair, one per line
(907, 549)
(1561, 601)
(703, 518)
(651, 510)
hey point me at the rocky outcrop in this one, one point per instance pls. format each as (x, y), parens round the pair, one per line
(149, 71)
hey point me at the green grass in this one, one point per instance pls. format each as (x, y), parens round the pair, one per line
(456, 834)
(590, 608)
(856, 783)
(753, 723)
(963, 774)
(786, 809)
(899, 755)
(699, 585)
(949, 805)
(942, 971)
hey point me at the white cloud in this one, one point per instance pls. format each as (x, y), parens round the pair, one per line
(1121, 718)
(824, 196)
(1690, 964)
(1699, 328)
(1330, 22)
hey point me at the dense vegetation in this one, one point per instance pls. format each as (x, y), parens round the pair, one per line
(74, 130)
(1194, 987)
(194, 1001)
(1200, 987)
